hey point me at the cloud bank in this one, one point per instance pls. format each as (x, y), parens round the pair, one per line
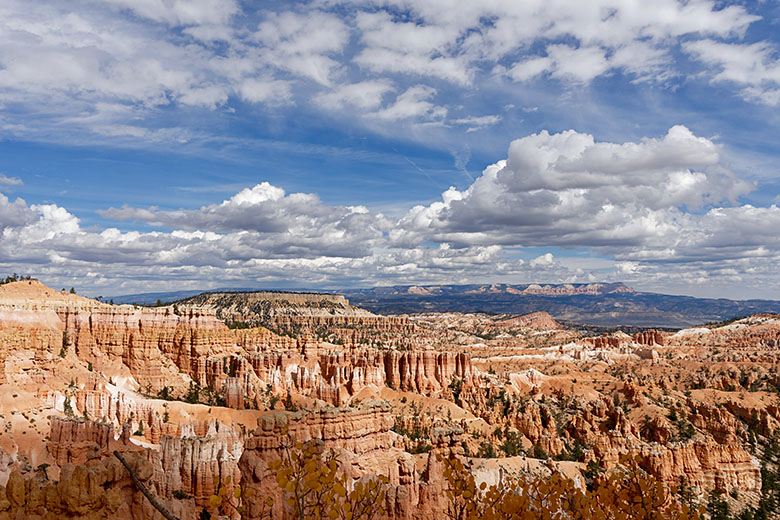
(662, 208)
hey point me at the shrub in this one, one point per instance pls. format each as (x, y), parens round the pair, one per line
(313, 487)
(624, 494)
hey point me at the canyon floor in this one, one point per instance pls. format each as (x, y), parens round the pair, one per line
(204, 393)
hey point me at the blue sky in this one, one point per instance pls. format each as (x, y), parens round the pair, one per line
(178, 144)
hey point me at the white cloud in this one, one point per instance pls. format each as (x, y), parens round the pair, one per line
(112, 67)
(303, 43)
(366, 95)
(568, 190)
(271, 223)
(259, 235)
(529, 69)
(410, 48)
(58, 61)
(579, 65)
(14, 214)
(755, 67)
(643, 205)
(544, 260)
(450, 41)
(9, 181)
(413, 104)
(182, 12)
(258, 90)
(475, 123)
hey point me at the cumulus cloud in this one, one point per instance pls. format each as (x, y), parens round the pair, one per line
(643, 206)
(266, 221)
(14, 214)
(566, 189)
(259, 235)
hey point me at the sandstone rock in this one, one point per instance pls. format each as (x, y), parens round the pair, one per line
(364, 444)
(98, 489)
(190, 464)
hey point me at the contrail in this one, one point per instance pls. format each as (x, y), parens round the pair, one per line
(415, 165)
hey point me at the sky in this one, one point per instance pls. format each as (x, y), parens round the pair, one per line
(153, 145)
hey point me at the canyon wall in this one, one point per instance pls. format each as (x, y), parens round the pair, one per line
(364, 445)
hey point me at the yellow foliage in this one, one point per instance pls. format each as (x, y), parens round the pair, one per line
(315, 487)
(629, 494)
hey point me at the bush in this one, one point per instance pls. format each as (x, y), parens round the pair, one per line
(68, 408)
(624, 494)
(313, 487)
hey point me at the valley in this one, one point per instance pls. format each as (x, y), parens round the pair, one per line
(201, 395)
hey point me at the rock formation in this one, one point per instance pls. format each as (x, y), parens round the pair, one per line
(175, 387)
(100, 488)
(293, 311)
(190, 464)
(364, 445)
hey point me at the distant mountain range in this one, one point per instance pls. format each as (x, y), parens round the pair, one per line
(603, 304)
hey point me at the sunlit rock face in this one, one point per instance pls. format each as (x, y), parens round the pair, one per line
(193, 399)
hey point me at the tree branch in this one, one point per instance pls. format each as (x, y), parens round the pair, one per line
(152, 500)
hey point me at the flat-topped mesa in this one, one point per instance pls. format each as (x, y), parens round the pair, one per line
(32, 295)
(293, 311)
(263, 305)
(575, 289)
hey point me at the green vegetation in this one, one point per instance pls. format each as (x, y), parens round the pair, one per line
(67, 407)
(14, 278)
